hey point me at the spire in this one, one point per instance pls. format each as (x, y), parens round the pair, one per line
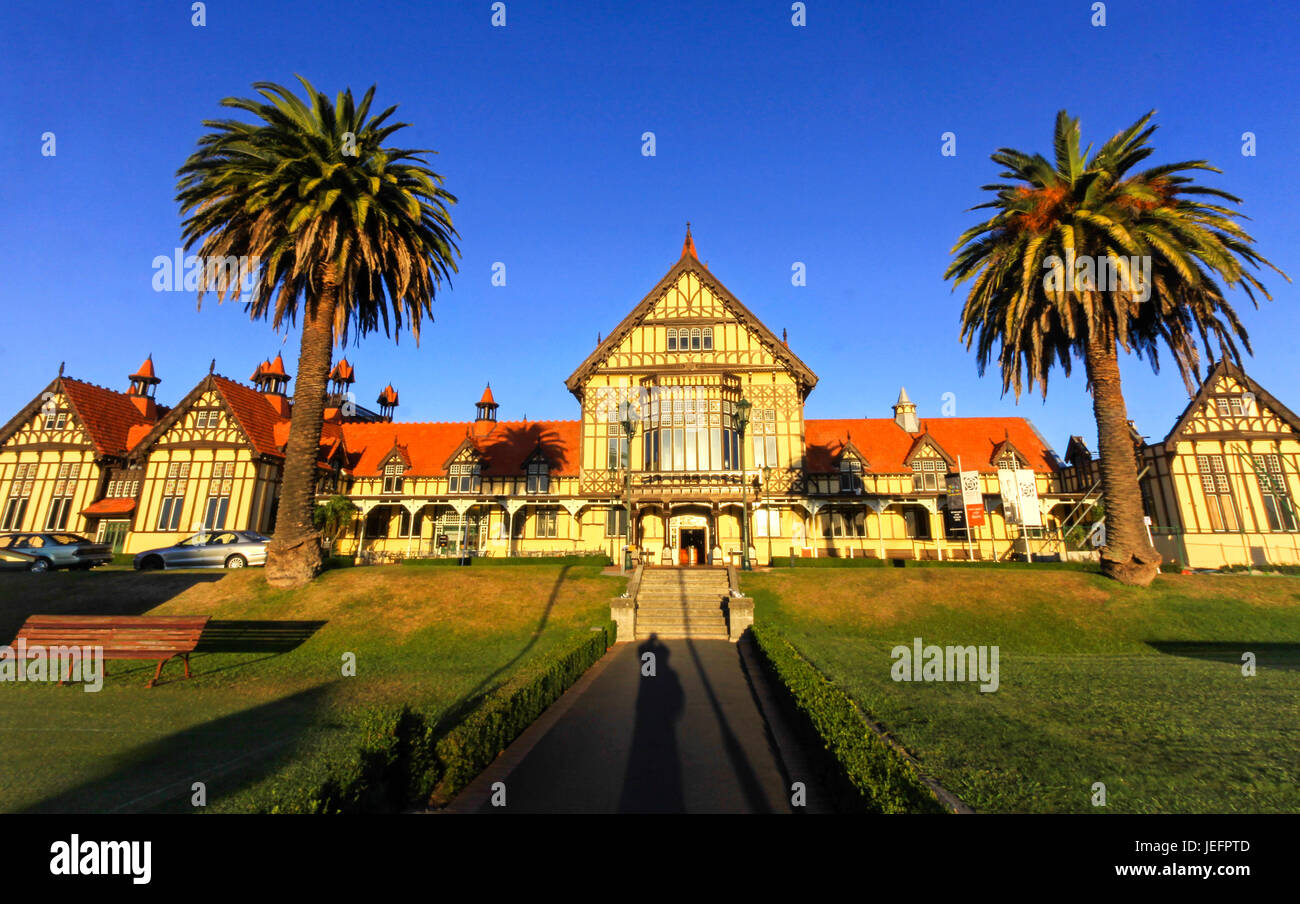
(143, 383)
(688, 246)
(486, 408)
(387, 401)
(905, 412)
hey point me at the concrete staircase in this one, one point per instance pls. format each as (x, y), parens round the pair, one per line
(682, 602)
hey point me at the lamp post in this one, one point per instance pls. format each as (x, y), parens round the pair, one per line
(742, 421)
(767, 509)
(629, 425)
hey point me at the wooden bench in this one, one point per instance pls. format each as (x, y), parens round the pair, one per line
(160, 637)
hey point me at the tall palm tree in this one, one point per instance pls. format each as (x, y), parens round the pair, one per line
(345, 232)
(1037, 298)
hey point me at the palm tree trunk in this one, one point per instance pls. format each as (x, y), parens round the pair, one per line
(1127, 556)
(294, 556)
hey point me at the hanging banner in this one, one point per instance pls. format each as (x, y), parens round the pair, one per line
(1030, 514)
(972, 499)
(954, 515)
(1009, 488)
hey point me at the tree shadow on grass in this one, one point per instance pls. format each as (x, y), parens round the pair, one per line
(472, 698)
(82, 593)
(227, 754)
(1268, 654)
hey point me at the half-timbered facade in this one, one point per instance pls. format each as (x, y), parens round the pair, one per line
(691, 420)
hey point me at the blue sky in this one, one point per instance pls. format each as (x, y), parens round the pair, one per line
(818, 144)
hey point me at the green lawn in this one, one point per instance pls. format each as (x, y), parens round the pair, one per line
(1141, 690)
(438, 639)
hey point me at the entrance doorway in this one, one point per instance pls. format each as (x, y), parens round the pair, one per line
(113, 533)
(693, 550)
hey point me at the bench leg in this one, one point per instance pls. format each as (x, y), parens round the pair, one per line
(157, 674)
(186, 657)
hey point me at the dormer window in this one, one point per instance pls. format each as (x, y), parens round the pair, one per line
(850, 475)
(1008, 461)
(539, 476)
(393, 472)
(463, 478)
(927, 474)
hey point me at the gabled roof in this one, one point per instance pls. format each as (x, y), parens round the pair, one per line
(431, 446)
(925, 438)
(887, 447)
(1006, 446)
(689, 263)
(109, 417)
(1225, 368)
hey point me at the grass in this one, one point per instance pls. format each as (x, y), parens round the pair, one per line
(249, 720)
(1141, 690)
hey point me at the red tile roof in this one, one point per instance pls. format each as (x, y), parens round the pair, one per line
(110, 507)
(253, 413)
(428, 446)
(109, 416)
(886, 445)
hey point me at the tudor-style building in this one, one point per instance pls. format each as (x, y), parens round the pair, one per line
(662, 402)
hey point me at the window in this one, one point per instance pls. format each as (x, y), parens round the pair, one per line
(393, 477)
(65, 485)
(708, 338)
(169, 515)
(762, 425)
(616, 451)
(56, 420)
(464, 478)
(850, 475)
(844, 524)
(1008, 461)
(1218, 493)
(1272, 487)
(207, 418)
(672, 340)
(767, 523)
(616, 522)
(918, 522)
(377, 521)
(20, 491)
(539, 476)
(927, 474)
(695, 339)
(214, 516)
(545, 522)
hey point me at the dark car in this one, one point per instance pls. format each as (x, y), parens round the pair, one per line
(53, 549)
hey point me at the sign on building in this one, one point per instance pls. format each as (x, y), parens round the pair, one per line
(1020, 497)
(972, 499)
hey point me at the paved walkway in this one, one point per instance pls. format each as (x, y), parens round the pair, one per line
(695, 738)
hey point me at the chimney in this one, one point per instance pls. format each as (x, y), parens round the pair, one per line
(905, 413)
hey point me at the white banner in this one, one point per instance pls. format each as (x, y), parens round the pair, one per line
(1009, 487)
(1030, 514)
(970, 488)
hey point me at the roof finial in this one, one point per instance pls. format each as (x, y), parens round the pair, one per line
(688, 246)
(61, 368)
(212, 366)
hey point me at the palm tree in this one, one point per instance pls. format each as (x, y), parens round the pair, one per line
(333, 515)
(344, 231)
(1162, 242)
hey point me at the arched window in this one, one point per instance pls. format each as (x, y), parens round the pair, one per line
(672, 340)
(708, 338)
(695, 339)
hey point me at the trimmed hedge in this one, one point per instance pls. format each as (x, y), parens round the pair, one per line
(1265, 569)
(833, 562)
(406, 760)
(861, 772)
(601, 560)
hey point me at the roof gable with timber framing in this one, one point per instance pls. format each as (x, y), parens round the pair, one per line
(926, 446)
(1251, 411)
(104, 419)
(690, 293)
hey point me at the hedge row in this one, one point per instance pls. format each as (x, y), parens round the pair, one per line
(860, 772)
(476, 561)
(1266, 569)
(406, 760)
(833, 562)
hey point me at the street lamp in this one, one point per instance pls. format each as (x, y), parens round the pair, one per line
(767, 509)
(742, 421)
(629, 425)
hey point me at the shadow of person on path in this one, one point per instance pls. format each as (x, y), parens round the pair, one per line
(653, 781)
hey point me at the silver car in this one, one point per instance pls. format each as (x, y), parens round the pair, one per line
(217, 549)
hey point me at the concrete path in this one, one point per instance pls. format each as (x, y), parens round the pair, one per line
(700, 736)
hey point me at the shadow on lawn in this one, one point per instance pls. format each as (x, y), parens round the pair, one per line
(233, 636)
(1268, 654)
(227, 754)
(462, 707)
(88, 593)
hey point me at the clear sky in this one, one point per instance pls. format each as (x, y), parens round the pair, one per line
(819, 144)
